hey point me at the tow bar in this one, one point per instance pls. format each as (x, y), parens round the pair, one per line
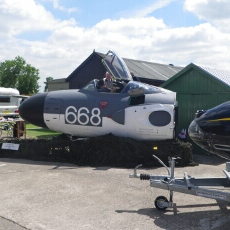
(187, 184)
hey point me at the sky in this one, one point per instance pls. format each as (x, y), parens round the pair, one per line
(56, 36)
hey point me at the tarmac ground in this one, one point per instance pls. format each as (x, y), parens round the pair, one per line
(56, 196)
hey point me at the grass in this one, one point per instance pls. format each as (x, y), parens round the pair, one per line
(33, 131)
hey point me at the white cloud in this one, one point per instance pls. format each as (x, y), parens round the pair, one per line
(202, 44)
(130, 27)
(17, 17)
(146, 10)
(62, 8)
(209, 9)
(216, 12)
(144, 38)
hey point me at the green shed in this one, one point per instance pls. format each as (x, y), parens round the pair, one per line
(198, 88)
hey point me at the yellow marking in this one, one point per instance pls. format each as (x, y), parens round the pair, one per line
(155, 148)
(221, 119)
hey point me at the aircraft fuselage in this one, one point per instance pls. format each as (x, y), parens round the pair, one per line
(86, 113)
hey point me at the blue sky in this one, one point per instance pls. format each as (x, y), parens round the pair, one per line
(88, 12)
(175, 16)
(56, 36)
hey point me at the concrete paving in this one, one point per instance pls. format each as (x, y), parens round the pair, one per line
(41, 195)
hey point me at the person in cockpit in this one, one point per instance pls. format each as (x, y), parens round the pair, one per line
(109, 82)
(101, 87)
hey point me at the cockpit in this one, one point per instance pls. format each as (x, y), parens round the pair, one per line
(121, 79)
(123, 87)
(94, 86)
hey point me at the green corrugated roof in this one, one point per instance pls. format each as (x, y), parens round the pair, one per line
(218, 75)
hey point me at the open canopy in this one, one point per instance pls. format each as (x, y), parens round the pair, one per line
(116, 66)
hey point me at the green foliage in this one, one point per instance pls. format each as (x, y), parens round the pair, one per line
(106, 150)
(17, 74)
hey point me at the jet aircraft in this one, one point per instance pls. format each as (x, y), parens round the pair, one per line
(211, 130)
(133, 109)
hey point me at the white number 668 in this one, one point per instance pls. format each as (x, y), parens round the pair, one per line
(84, 113)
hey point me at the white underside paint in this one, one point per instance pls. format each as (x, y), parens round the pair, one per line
(136, 125)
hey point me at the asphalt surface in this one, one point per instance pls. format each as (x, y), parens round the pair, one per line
(41, 195)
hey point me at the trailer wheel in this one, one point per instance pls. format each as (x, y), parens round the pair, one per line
(158, 203)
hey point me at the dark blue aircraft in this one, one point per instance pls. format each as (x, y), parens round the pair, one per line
(211, 130)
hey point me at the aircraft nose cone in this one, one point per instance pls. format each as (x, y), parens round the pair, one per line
(31, 109)
(195, 131)
(197, 135)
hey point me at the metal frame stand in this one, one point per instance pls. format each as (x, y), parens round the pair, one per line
(187, 184)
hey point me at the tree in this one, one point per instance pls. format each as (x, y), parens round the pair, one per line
(17, 74)
(46, 85)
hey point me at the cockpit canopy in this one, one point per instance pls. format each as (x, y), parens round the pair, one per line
(116, 66)
(148, 89)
